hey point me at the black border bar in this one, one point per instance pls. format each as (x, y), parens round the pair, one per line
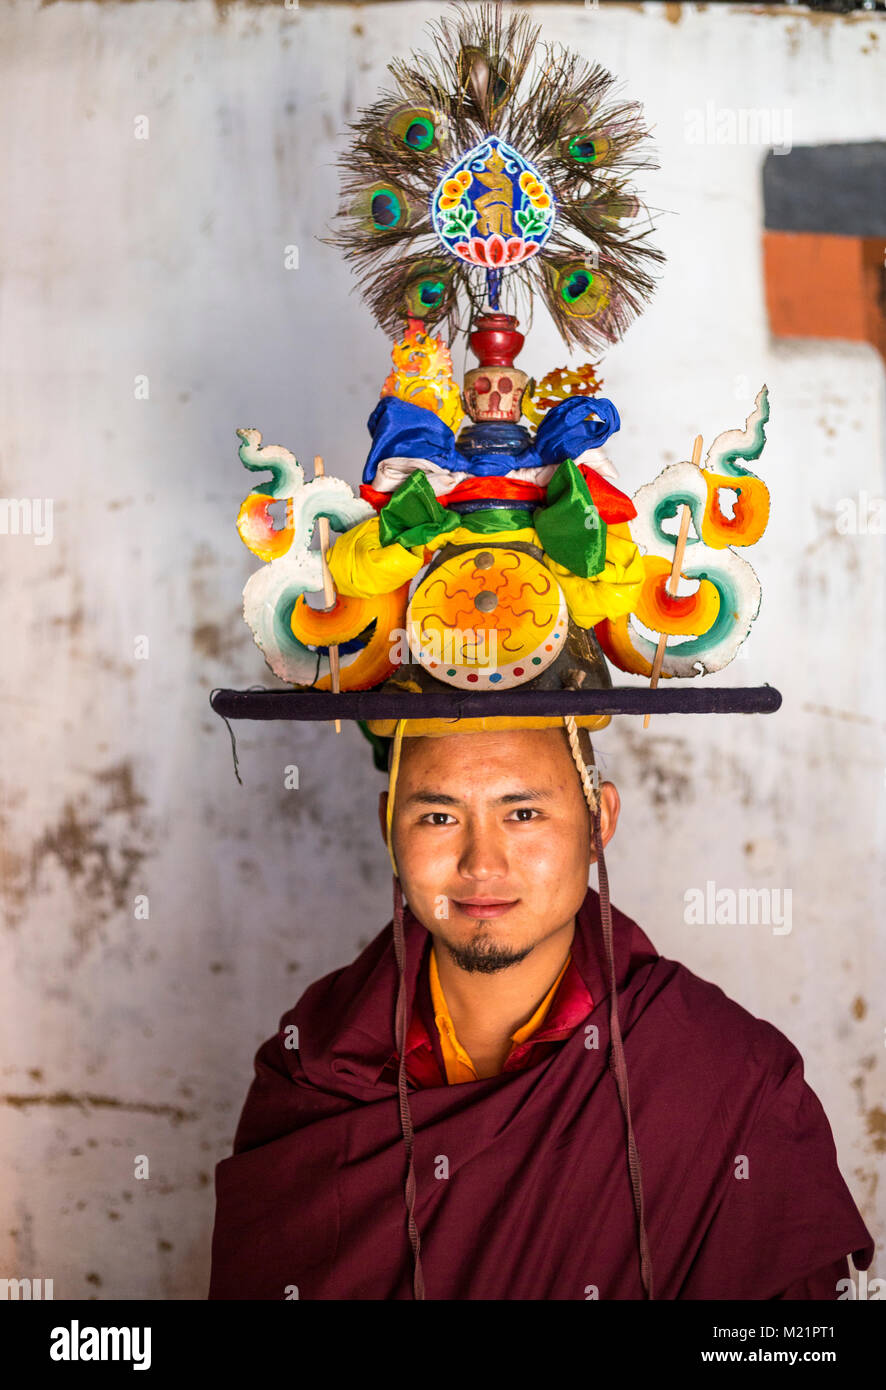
(322, 705)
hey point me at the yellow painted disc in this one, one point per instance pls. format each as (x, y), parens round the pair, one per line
(487, 618)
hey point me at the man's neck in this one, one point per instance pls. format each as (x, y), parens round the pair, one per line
(487, 1009)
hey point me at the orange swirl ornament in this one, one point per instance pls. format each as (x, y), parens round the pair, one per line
(348, 617)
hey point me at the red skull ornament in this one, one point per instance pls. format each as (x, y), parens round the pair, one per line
(494, 390)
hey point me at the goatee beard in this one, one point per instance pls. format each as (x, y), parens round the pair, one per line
(483, 955)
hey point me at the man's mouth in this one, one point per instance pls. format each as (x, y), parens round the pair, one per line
(485, 907)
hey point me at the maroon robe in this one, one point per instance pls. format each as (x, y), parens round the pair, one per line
(523, 1187)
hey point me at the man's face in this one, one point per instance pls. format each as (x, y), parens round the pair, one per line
(492, 839)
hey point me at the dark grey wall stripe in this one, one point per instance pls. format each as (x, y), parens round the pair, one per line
(839, 189)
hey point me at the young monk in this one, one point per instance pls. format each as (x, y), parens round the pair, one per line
(502, 1157)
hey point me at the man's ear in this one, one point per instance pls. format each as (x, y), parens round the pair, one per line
(383, 815)
(610, 805)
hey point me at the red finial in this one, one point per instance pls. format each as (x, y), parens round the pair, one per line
(496, 339)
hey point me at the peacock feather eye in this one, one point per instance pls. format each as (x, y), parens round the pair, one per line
(582, 290)
(419, 134)
(431, 292)
(589, 149)
(416, 129)
(383, 207)
(387, 211)
(424, 296)
(428, 293)
(608, 208)
(575, 285)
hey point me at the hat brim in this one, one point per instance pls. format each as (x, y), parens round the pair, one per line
(385, 707)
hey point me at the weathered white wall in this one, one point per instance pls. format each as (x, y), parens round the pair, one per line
(165, 258)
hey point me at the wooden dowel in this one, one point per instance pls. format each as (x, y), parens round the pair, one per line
(328, 590)
(674, 578)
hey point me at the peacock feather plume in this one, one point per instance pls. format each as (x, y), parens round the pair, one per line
(499, 168)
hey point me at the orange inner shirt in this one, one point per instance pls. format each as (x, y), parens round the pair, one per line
(459, 1066)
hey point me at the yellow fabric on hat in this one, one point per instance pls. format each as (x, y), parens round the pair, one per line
(611, 593)
(490, 723)
(462, 535)
(360, 565)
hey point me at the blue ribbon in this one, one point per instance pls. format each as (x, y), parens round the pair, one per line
(401, 429)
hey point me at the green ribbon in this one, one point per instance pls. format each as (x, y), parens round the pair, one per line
(569, 526)
(414, 516)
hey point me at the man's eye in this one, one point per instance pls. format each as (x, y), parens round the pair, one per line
(429, 818)
(524, 812)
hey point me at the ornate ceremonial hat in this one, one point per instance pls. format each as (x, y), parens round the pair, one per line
(489, 573)
(489, 570)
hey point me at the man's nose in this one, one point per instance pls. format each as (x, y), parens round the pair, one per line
(483, 853)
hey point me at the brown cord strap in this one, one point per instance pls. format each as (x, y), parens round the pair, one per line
(418, 1279)
(617, 1062)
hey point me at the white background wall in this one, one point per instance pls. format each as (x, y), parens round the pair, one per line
(165, 257)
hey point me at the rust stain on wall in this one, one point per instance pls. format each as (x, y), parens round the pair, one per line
(876, 1123)
(99, 840)
(662, 764)
(850, 716)
(13, 876)
(122, 795)
(87, 1101)
(875, 1116)
(212, 640)
(217, 640)
(72, 621)
(870, 1182)
(102, 872)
